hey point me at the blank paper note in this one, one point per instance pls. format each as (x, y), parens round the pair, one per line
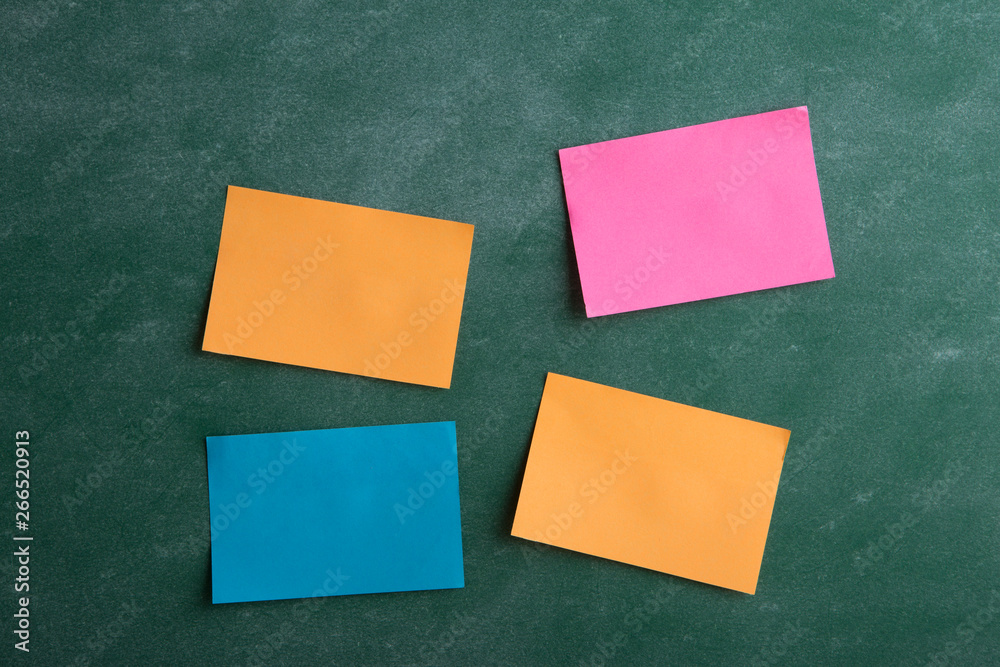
(649, 482)
(338, 287)
(334, 512)
(696, 212)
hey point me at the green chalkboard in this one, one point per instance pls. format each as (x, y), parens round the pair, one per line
(122, 123)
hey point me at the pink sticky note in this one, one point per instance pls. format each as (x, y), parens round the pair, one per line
(697, 212)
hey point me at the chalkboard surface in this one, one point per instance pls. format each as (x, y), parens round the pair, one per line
(122, 124)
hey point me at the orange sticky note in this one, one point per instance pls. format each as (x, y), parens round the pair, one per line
(338, 287)
(650, 482)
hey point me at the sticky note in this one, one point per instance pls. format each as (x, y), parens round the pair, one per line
(696, 212)
(334, 512)
(649, 482)
(338, 287)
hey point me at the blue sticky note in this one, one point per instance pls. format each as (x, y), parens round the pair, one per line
(334, 512)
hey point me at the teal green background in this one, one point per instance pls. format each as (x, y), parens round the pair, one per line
(122, 123)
